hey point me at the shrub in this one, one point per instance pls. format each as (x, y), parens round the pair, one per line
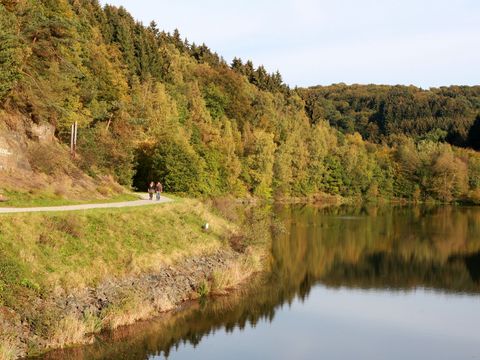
(203, 289)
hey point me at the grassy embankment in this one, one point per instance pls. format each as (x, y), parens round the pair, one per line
(51, 255)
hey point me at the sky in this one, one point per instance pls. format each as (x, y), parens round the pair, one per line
(427, 43)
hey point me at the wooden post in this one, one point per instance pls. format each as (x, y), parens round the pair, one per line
(75, 139)
(71, 139)
(109, 121)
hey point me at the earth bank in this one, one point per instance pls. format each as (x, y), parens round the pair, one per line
(68, 276)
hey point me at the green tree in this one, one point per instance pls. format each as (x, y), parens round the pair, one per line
(11, 52)
(259, 163)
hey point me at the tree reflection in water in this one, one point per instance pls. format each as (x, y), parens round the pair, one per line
(381, 247)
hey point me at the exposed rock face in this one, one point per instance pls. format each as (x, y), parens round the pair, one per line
(14, 143)
(43, 133)
(13, 152)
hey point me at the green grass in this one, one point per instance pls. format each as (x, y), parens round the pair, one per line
(46, 255)
(42, 252)
(173, 196)
(49, 255)
(28, 199)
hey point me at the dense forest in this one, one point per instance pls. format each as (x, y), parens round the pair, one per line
(449, 114)
(150, 105)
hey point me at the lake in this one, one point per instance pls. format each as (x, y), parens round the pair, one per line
(371, 282)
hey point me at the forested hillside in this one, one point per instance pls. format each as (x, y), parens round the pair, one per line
(150, 105)
(450, 114)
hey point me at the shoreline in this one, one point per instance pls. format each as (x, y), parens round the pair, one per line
(222, 260)
(67, 277)
(122, 302)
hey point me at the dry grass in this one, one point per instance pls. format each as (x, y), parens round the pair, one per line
(54, 180)
(237, 272)
(10, 121)
(227, 278)
(51, 159)
(163, 304)
(30, 189)
(228, 207)
(104, 190)
(9, 347)
(69, 330)
(92, 323)
(126, 311)
(69, 224)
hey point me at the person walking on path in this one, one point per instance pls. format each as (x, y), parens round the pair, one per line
(159, 189)
(151, 190)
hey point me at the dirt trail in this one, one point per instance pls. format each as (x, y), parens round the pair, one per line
(141, 202)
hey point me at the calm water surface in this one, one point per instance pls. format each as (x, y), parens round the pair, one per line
(363, 283)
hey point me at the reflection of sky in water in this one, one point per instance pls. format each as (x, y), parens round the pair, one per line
(355, 324)
(384, 249)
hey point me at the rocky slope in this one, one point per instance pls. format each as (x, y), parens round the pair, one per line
(34, 162)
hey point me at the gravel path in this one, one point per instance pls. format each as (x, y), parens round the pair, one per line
(142, 202)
